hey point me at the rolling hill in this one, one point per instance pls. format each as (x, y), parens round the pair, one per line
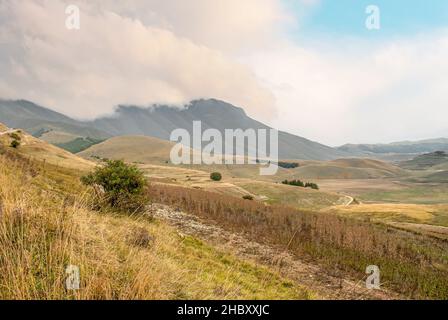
(139, 149)
(427, 161)
(48, 125)
(36, 149)
(403, 147)
(154, 151)
(160, 121)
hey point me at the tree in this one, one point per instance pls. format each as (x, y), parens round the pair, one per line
(123, 184)
(216, 176)
(15, 144)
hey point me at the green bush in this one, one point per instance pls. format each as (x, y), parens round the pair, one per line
(298, 183)
(294, 182)
(15, 136)
(248, 197)
(216, 176)
(123, 185)
(15, 144)
(288, 165)
(311, 185)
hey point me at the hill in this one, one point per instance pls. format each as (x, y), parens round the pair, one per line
(46, 124)
(36, 149)
(403, 147)
(139, 149)
(156, 121)
(48, 223)
(160, 121)
(426, 161)
(148, 150)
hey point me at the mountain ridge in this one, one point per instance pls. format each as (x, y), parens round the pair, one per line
(158, 121)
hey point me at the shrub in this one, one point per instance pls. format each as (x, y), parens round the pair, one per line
(295, 182)
(216, 176)
(15, 136)
(299, 183)
(123, 185)
(15, 144)
(288, 165)
(248, 197)
(312, 185)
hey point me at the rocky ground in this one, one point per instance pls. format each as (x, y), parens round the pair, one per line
(326, 284)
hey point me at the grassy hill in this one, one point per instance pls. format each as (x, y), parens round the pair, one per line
(402, 147)
(48, 222)
(139, 149)
(426, 161)
(148, 150)
(36, 149)
(49, 125)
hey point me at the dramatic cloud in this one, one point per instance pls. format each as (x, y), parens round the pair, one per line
(141, 52)
(222, 24)
(116, 58)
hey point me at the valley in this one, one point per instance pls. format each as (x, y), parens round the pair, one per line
(380, 191)
(359, 203)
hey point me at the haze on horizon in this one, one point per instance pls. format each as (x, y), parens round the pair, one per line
(309, 67)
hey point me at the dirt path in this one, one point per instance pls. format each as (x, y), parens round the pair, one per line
(324, 283)
(349, 201)
(8, 131)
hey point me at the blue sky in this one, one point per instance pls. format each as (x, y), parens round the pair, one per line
(347, 17)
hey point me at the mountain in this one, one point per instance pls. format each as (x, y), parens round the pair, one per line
(46, 124)
(438, 160)
(156, 121)
(160, 121)
(403, 147)
(36, 149)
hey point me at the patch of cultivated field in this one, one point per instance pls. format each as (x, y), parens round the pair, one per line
(396, 213)
(58, 137)
(269, 192)
(275, 193)
(357, 187)
(433, 231)
(424, 193)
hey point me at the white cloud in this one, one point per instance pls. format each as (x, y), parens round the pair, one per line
(222, 24)
(377, 92)
(116, 58)
(173, 51)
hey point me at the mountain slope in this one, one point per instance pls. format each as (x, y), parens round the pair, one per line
(156, 121)
(132, 149)
(427, 161)
(160, 121)
(48, 223)
(36, 149)
(403, 147)
(43, 123)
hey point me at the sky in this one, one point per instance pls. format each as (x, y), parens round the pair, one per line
(309, 67)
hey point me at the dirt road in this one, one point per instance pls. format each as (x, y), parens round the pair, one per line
(326, 284)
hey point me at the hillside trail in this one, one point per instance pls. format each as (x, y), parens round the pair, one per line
(8, 131)
(349, 201)
(325, 284)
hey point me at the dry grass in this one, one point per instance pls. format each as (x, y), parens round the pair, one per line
(388, 212)
(40, 150)
(46, 224)
(411, 264)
